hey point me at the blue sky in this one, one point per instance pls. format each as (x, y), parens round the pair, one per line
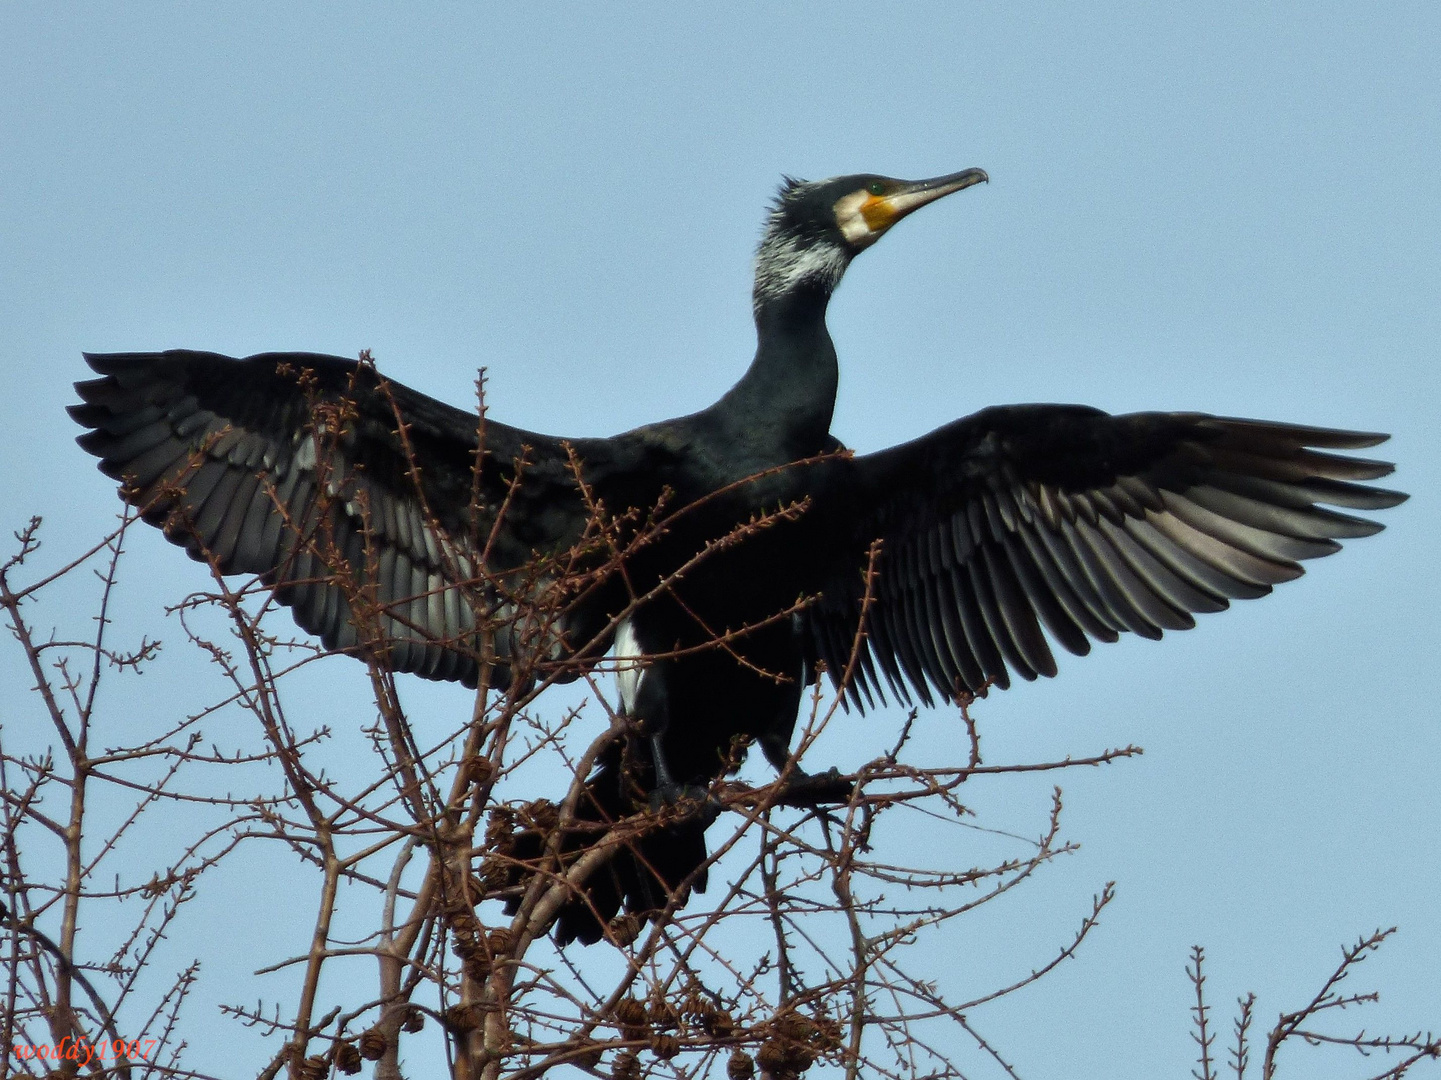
(1228, 208)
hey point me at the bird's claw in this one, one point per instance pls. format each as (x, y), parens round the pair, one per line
(687, 800)
(813, 789)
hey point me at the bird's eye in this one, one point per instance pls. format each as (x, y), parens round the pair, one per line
(875, 187)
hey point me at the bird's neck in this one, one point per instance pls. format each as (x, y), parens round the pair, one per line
(788, 394)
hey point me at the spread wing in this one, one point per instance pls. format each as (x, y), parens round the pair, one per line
(294, 467)
(1026, 521)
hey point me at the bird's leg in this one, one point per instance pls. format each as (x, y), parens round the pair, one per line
(803, 788)
(671, 792)
(665, 781)
(652, 712)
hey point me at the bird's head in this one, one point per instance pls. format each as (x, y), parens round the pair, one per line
(817, 227)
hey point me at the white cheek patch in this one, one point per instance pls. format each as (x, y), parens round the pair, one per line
(851, 221)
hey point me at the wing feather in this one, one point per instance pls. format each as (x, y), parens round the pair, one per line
(306, 482)
(1026, 524)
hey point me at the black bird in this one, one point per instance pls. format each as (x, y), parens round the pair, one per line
(997, 530)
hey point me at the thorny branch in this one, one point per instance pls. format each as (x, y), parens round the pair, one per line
(1291, 1028)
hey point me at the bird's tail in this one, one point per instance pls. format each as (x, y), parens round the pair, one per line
(656, 854)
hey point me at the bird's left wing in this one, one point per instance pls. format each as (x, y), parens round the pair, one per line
(1068, 518)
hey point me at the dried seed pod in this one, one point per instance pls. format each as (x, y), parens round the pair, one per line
(311, 1068)
(498, 941)
(347, 1058)
(464, 946)
(466, 929)
(696, 1005)
(630, 1012)
(829, 1035)
(626, 1066)
(463, 1018)
(664, 1047)
(587, 1058)
(741, 1066)
(663, 1015)
(540, 814)
(463, 920)
(794, 1026)
(495, 874)
(773, 1055)
(718, 1023)
(372, 1044)
(479, 770)
(625, 928)
(477, 967)
(499, 828)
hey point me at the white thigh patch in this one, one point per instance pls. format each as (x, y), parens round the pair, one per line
(628, 670)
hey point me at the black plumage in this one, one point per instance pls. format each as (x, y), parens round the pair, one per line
(1001, 533)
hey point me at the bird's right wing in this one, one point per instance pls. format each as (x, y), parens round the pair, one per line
(1068, 518)
(359, 500)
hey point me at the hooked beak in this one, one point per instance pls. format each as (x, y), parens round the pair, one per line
(863, 217)
(915, 194)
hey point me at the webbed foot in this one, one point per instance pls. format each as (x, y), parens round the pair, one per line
(813, 789)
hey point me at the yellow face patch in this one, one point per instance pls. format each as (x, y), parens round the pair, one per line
(879, 212)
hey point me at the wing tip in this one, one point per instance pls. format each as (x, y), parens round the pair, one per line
(1310, 435)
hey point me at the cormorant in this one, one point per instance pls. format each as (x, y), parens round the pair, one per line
(998, 529)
